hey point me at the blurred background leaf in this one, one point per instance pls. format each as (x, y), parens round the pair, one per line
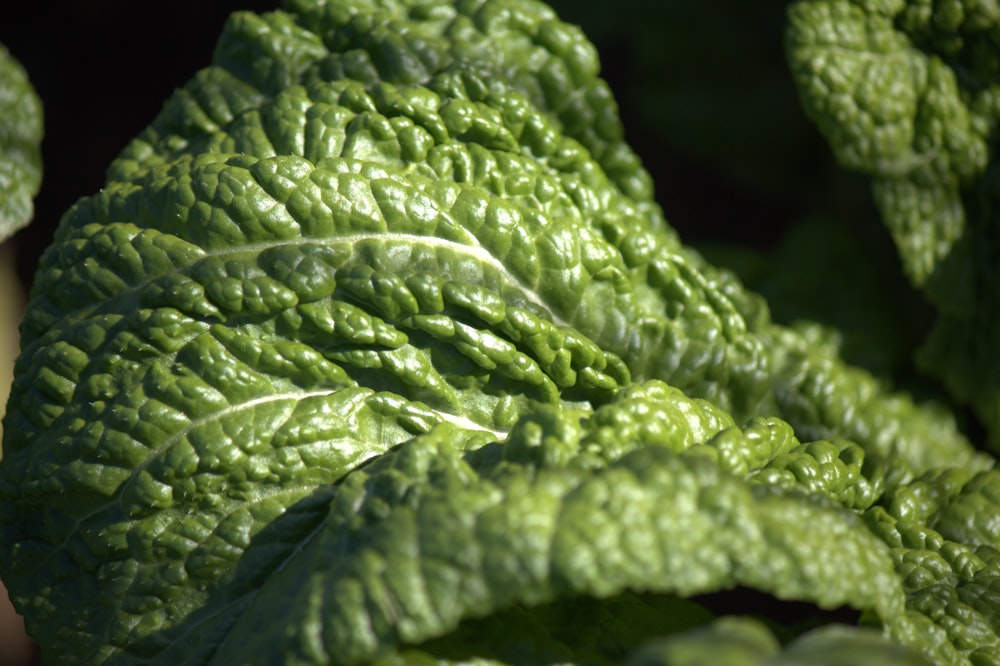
(20, 145)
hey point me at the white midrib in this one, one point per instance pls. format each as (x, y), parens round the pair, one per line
(477, 252)
(455, 419)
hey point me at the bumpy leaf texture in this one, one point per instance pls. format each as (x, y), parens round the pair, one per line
(20, 145)
(909, 93)
(375, 348)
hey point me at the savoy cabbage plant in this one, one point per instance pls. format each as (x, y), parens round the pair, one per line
(376, 348)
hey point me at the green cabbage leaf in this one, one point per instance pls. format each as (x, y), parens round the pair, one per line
(376, 348)
(907, 93)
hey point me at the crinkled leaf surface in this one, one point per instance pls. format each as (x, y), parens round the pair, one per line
(377, 331)
(907, 92)
(20, 145)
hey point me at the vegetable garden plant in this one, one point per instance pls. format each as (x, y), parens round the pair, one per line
(376, 348)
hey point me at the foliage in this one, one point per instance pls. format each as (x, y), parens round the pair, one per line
(376, 348)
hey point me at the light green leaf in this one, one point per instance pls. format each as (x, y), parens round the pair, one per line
(20, 145)
(423, 541)
(744, 642)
